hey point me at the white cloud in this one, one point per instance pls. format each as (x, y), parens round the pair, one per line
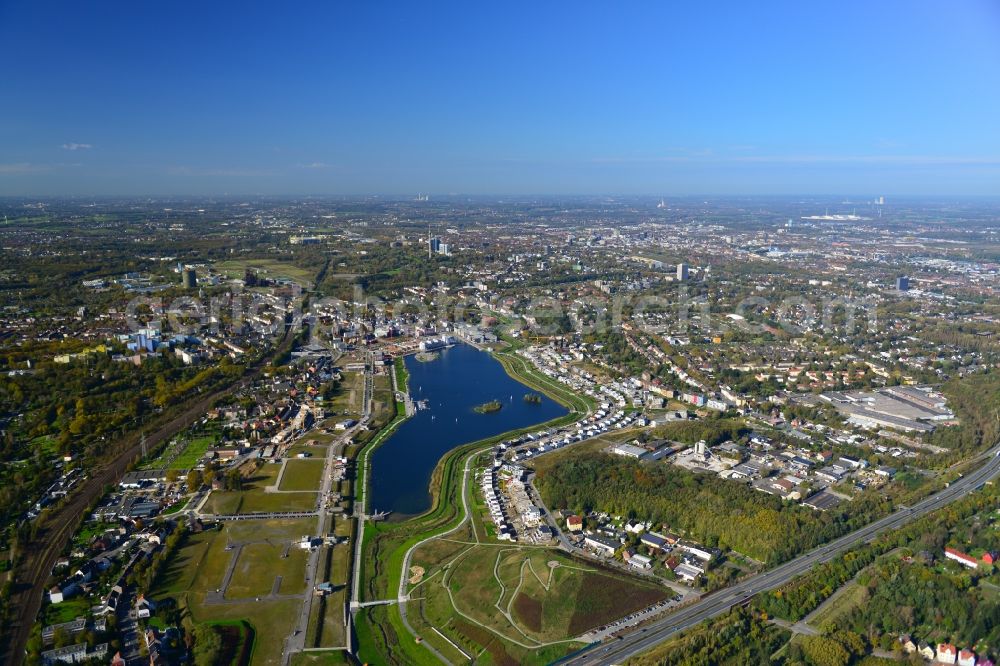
(224, 172)
(22, 167)
(315, 165)
(76, 146)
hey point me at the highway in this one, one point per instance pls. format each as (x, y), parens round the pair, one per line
(643, 639)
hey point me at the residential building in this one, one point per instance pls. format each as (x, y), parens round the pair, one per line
(946, 653)
(74, 654)
(602, 545)
(961, 558)
(687, 572)
(700, 553)
(653, 540)
(640, 562)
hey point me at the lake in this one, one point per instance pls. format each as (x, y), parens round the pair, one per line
(453, 385)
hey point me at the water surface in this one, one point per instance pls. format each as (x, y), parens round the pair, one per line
(461, 378)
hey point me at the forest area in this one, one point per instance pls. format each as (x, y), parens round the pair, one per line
(907, 586)
(976, 402)
(717, 512)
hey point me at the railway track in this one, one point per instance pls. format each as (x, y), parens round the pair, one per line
(41, 553)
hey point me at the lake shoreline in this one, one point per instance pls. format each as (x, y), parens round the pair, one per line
(402, 468)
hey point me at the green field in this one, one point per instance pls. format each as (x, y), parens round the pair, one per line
(402, 375)
(315, 451)
(330, 658)
(47, 444)
(238, 637)
(581, 449)
(198, 568)
(269, 268)
(228, 503)
(66, 611)
(260, 564)
(302, 474)
(261, 502)
(532, 595)
(843, 602)
(347, 403)
(193, 452)
(187, 451)
(223, 503)
(255, 498)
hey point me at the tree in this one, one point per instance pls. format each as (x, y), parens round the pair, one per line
(823, 651)
(233, 480)
(194, 480)
(207, 644)
(61, 637)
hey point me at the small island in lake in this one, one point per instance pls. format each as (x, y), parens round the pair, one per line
(427, 357)
(488, 407)
(533, 398)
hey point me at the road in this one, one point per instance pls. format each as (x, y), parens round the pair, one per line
(296, 641)
(404, 574)
(42, 552)
(360, 503)
(536, 497)
(566, 545)
(128, 629)
(716, 604)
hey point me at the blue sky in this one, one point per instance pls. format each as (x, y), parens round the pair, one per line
(892, 97)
